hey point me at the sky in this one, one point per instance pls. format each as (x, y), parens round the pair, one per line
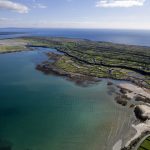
(111, 14)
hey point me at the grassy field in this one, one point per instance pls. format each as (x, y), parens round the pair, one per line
(4, 49)
(97, 59)
(135, 58)
(100, 59)
(12, 45)
(145, 145)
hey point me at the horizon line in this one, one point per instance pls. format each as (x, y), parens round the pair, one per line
(76, 28)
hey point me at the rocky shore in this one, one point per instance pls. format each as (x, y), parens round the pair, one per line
(137, 99)
(79, 79)
(74, 70)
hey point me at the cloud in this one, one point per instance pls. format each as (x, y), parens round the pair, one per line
(7, 4)
(39, 5)
(4, 20)
(119, 3)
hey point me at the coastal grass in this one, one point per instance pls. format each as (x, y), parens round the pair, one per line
(99, 59)
(70, 65)
(105, 53)
(12, 45)
(92, 58)
(4, 49)
(145, 145)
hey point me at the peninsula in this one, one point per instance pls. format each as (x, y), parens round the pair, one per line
(89, 58)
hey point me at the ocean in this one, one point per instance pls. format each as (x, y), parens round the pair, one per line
(133, 37)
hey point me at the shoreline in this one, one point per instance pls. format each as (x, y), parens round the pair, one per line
(129, 91)
(84, 73)
(142, 128)
(58, 68)
(99, 64)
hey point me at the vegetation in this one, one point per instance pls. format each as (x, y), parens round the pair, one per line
(145, 145)
(4, 49)
(135, 58)
(12, 45)
(100, 59)
(96, 59)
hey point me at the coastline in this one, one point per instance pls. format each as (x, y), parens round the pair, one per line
(128, 94)
(141, 128)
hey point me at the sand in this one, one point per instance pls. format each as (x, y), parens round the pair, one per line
(135, 90)
(117, 146)
(12, 42)
(138, 127)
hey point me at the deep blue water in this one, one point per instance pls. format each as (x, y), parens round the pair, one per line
(134, 37)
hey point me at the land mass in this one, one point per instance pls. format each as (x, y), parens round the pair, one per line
(89, 59)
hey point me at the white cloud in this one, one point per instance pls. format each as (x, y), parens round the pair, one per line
(39, 5)
(7, 20)
(3, 19)
(7, 4)
(119, 3)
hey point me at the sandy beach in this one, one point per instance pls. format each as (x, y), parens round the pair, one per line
(137, 128)
(135, 90)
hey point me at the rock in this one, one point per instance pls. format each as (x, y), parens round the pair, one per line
(142, 112)
(123, 91)
(142, 99)
(120, 100)
(109, 83)
(132, 105)
(123, 96)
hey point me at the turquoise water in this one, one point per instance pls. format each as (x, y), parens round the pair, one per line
(45, 112)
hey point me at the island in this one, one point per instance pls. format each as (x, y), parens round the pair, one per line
(86, 62)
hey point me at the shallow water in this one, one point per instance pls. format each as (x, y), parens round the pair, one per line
(44, 112)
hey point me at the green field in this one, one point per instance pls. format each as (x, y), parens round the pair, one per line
(99, 59)
(90, 58)
(145, 145)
